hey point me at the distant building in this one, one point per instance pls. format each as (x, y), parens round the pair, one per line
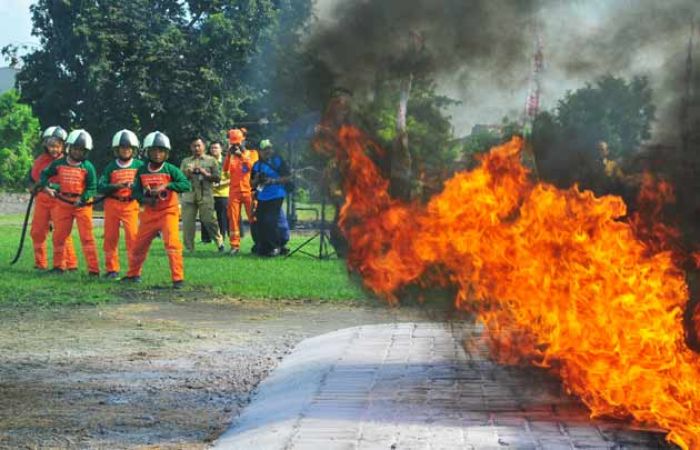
(480, 128)
(7, 78)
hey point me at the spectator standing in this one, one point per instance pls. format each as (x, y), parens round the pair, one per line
(202, 171)
(239, 164)
(270, 174)
(221, 192)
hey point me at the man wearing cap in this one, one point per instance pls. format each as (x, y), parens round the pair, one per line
(73, 182)
(203, 171)
(156, 188)
(270, 175)
(238, 164)
(120, 208)
(53, 141)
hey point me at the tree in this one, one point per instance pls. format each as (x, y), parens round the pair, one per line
(482, 139)
(183, 67)
(613, 110)
(288, 74)
(19, 134)
(429, 129)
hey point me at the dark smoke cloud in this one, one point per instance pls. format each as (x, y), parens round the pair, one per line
(629, 29)
(374, 38)
(635, 37)
(484, 48)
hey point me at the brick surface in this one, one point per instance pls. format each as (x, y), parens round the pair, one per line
(413, 386)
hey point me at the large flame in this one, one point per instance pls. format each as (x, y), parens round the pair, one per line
(554, 275)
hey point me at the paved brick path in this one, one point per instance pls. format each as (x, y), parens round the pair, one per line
(412, 386)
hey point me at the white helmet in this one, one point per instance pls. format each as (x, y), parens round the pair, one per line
(125, 138)
(80, 138)
(156, 139)
(54, 132)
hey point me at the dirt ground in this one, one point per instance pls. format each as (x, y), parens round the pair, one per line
(157, 374)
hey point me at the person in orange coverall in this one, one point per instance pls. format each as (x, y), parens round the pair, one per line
(74, 188)
(53, 141)
(238, 164)
(156, 187)
(120, 207)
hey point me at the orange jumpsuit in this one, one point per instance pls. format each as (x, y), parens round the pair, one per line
(240, 193)
(120, 209)
(73, 182)
(41, 221)
(161, 216)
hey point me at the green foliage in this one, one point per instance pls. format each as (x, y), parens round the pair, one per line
(184, 68)
(429, 128)
(19, 133)
(612, 109)
(480, 142)
(291, 79)
(484, 139)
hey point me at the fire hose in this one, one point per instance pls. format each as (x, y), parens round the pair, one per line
(24, 229)
(26, 220)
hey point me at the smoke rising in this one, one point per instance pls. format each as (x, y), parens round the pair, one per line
(390, 38)
(480, 50)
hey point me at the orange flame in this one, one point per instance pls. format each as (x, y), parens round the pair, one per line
(554, 275)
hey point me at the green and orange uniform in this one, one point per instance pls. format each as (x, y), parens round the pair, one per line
(120, 208)
(160, 213)
(42, 219)
(76, 184)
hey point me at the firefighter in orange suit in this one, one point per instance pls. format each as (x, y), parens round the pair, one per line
(238, 164)
(120, 207)
(156, 187)
(74, 186)
(53, 140)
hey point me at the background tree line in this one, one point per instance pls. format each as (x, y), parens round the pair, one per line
(183, 67)
(190, 67)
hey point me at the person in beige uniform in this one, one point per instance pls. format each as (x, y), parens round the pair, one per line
(203, 172)
(220, 194)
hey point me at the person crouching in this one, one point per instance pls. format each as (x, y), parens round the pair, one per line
(156, 188)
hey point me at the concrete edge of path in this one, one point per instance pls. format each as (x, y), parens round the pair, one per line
(279, 402)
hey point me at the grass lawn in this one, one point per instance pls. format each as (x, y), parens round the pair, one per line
(206, 272)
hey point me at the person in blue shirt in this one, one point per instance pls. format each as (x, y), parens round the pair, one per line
(269, 176)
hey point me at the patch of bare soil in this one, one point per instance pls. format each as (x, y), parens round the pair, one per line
(149, 375)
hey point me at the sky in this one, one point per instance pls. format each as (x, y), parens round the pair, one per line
(15, 24)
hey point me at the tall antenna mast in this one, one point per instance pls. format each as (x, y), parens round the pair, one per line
(532, 104)
(688, 94)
